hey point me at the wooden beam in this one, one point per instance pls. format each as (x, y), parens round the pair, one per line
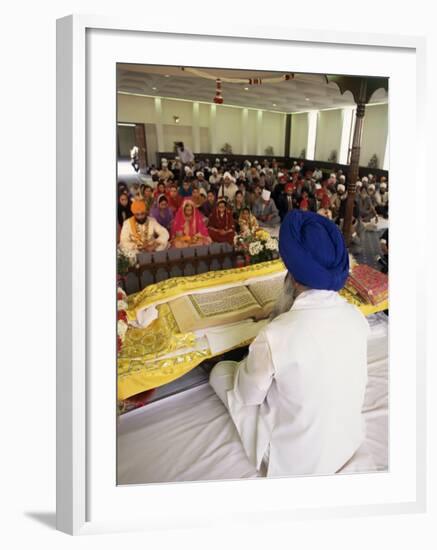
(287, 135)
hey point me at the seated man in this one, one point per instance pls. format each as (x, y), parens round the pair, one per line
(296, 398)
(286, 200)
(141, 233)
(227, 188)
(265, 210)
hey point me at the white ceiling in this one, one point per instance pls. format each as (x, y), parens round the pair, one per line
(304, 92)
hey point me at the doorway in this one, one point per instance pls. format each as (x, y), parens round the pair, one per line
(128, 135)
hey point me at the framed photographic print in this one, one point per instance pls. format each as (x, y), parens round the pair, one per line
(238, 338)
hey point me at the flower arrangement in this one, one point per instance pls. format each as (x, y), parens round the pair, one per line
(125, 260)
(257, 247)
(122, 322)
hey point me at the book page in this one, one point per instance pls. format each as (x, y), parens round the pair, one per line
(267, 292)
(230, 300)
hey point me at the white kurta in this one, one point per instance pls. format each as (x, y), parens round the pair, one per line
(228, 192)
(299, 392)
(155, 232)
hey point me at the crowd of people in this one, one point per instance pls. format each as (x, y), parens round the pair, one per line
(196, 203)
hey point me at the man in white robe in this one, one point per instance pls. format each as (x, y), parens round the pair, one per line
(228, 188)
(142, 232)
(265, 210)
(296, 398)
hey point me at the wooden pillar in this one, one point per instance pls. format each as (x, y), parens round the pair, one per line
(287, 135)
(353, 172)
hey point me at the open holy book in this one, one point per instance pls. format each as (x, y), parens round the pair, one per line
(209, 309)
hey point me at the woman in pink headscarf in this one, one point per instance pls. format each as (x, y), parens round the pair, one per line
(188, 227)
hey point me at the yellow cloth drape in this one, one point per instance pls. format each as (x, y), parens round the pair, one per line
(149, 357)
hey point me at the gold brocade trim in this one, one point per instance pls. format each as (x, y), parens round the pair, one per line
(145, 376)
(175, 286)
(366, 309)
(162, 368)
(161, 337)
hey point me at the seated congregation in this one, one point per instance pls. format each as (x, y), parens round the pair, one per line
(195, 204)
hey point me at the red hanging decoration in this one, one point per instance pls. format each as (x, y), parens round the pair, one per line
(218, 92)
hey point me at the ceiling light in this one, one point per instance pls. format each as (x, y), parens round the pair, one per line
(246, 88)
(274, 104)
(153, 88)
(167, 76)
(307, 99)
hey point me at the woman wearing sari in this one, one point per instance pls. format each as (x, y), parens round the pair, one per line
(221, 227)
(174, 199)
(160, 190)
(248, 224)
(188, 228)
(209, 205)
(162, 212)
(239, 204)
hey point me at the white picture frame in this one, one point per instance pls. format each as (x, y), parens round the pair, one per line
(77, 233)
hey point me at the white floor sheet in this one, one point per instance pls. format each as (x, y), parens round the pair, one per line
(190, 436)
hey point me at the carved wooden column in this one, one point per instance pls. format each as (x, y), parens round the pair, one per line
(353, 172)
(362, 89)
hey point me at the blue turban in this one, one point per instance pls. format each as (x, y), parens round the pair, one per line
(313, 249)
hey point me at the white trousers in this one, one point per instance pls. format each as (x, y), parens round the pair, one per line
(221, 380)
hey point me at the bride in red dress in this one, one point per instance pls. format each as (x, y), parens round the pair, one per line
(188, 227)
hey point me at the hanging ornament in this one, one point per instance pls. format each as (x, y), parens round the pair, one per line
(218, 92)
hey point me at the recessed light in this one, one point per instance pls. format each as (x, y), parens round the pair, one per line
(167, 76)
(307, 99)
(246, 88)
(274, 104)
(153, 88)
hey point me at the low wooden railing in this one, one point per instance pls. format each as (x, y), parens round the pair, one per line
(177, 262)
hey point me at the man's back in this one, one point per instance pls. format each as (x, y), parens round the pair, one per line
(319, 356)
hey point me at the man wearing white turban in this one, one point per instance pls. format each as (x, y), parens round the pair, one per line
(228, 188)
(296, 399)
(381, 199)
(265, 210)
(165, 173)
(337, 198)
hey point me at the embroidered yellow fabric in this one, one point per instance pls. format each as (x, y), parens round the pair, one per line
(141, 362)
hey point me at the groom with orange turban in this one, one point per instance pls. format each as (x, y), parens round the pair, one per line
(296, 398)
(141, 232)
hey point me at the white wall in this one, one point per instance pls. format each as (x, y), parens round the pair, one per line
(299, 133)
(328, 138)
(273, 132)
(227, 126)
(375, 131)
(132, 108)
(251, 131)
(256, 131)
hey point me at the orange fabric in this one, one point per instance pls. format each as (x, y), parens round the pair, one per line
(138, 206)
